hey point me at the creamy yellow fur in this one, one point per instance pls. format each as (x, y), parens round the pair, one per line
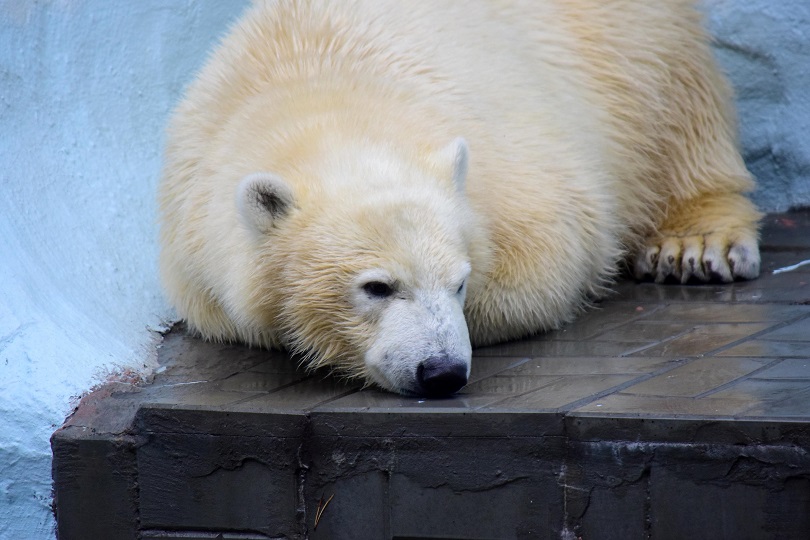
(597, 130)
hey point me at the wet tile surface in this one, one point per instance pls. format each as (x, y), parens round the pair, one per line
(769, 349)
(656, 396)
(697, 377)
(622, 404)
(648, 350)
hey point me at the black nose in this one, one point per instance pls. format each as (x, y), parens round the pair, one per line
(440, 376)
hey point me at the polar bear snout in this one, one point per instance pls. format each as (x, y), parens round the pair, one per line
(440, 376)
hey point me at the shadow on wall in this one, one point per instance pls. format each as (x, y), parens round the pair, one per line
(85, 90)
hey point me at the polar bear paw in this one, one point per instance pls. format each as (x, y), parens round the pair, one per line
(719, 257)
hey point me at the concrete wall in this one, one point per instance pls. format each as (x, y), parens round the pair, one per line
(85, 89)
(764, 46)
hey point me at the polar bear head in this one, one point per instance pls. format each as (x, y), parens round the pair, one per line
(368, 254)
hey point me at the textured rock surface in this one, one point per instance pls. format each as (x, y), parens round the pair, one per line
(764, 46)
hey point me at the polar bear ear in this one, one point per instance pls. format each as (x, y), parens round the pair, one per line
(262, 199)
(457, 154)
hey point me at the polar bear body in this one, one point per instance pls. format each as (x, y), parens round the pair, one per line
(371, 182)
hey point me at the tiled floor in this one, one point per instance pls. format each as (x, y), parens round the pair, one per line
(672, 367)
(651, 350)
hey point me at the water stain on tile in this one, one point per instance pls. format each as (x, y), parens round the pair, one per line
(703, 340)
(696, 377)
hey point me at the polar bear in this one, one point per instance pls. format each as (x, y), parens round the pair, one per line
(380, 185)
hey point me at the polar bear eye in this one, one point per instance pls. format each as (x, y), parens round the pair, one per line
(461, 287)
(378, 289)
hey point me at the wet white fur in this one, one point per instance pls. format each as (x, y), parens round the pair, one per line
(596, 131)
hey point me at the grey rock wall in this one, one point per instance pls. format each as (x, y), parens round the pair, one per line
(764, 47)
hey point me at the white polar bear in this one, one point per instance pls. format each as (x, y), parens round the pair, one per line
(378, 184)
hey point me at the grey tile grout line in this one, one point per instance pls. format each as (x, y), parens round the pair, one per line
(776, 361)
(569, 407)
(556, 378)
(574, 405)
(349, 392)
(777, 402)
(519, 361)
(513, 396)
(732, 382)
(777, 325)
(782, 356)
(752, 375)
(756, 335)
(783, 379)
(261, 393)
(661, 342)
(678, 361)
(634, 319)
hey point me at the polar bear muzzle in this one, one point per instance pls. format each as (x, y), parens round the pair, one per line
(421, 343)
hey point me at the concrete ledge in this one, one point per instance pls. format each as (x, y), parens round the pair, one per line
(667, 412)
